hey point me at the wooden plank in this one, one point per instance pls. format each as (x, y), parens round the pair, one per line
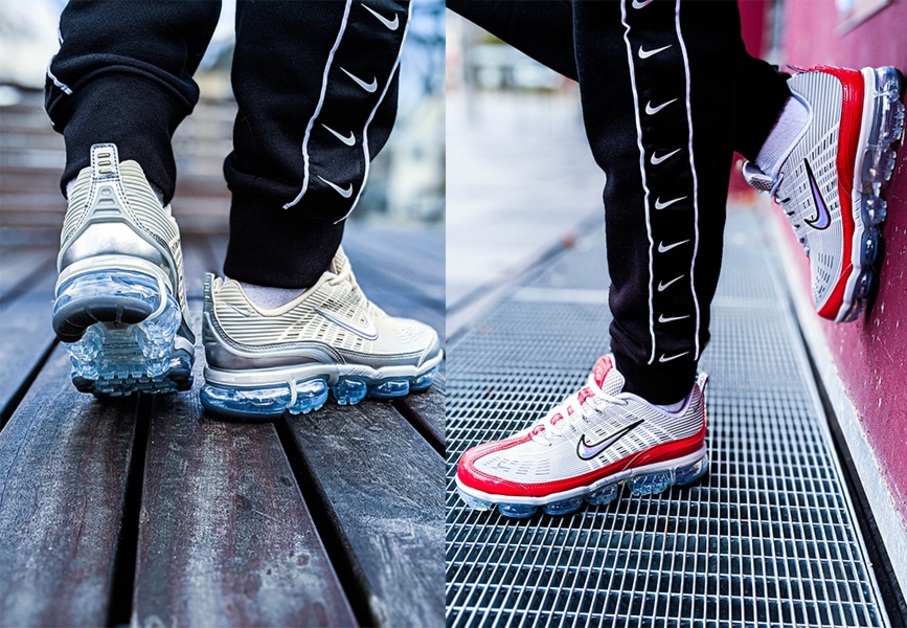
(427, 409)
(27, 336)
(20, 263)
(382, 487)
(64, 461)
(225, 537)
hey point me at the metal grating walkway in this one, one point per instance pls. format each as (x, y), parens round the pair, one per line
(768, 538)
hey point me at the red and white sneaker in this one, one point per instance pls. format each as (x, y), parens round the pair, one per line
(584, 448)
(829, 181)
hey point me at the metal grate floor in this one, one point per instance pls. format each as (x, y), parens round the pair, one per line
(768, 538)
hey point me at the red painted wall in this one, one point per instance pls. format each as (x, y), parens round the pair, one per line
(871, 353)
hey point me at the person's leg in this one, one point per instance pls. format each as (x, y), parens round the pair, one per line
(762, 92)
(316, 84)
(117, 89)
(656, 75)
(639, 107)
(659, 111)
(123, 75)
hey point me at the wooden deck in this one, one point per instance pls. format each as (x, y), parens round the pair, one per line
(146, 511)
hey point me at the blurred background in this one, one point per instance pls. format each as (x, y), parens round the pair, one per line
(520, 175)
(406, 184)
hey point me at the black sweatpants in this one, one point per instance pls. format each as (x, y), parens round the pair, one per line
(316, 84)
(668, 93)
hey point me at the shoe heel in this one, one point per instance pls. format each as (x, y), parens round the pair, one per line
(119, 330)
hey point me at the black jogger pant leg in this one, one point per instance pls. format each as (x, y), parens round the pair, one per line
(124, 75)
(316, 87)
(664, 88)
(316, 84)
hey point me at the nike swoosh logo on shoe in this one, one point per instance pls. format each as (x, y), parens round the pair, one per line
(348, 140)
(344, 192)
(823, 217)
(660, 205)
(657, 159)
(586, 451)
(665, 358)
(664, 249)
(369, 332)
(369, 87)
(641, 5)
(653, 110)
(645, 54)
(662, 286)
(390, 24)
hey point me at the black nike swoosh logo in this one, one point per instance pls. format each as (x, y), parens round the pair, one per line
(587, 451)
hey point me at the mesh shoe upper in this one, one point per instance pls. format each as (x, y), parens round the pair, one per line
(333, 317)
(595, 433)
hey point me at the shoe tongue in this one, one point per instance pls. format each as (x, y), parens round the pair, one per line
(606, 376)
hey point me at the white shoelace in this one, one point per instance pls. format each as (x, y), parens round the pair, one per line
(571, 412)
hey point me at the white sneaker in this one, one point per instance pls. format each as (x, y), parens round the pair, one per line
(261, 363)
(585, 448)
(120, 305)
(829, 181)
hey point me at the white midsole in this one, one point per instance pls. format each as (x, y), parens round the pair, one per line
(282, 375)
(674, 463)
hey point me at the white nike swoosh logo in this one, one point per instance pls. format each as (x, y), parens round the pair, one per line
(640, 5)
(664, 286)
(586, 451)
(653, 110)
(369, 87)
(369, 332)
(345, 193)
(657, 159)
(645, 54)
(663, 249)
(660, 205)
(667, 319)
(349, 141)
(665, 358)
(390, 24)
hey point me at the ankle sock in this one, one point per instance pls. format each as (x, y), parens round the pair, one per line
(269, 298)
(788, 127)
